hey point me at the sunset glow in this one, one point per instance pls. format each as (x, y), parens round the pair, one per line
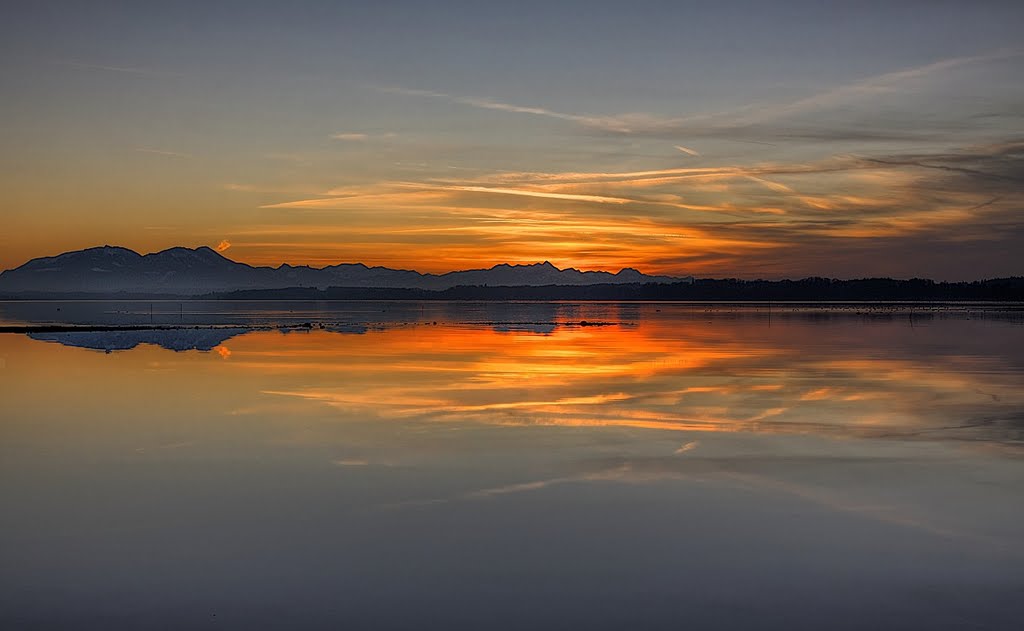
(322, 145)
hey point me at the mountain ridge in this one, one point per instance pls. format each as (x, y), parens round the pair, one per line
(181, 270)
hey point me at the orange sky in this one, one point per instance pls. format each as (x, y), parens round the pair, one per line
(326, 144)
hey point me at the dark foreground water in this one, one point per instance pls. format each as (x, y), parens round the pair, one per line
(474, 466)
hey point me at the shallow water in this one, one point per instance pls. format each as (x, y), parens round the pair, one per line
(538, 465)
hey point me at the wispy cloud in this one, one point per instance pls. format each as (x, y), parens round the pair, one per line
(600, 199)
(749, 122)
(482, 103)
(871, 86)
(690, 446)
(360, 137)
(620, 473)
(350, 137)
(622, 123)
(723, 218)
(165, 153)
(111, 68)
(757, 120)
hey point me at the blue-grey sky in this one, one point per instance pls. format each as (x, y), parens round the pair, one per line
(724, 139)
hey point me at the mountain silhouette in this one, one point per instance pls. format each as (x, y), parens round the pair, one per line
(186, 271)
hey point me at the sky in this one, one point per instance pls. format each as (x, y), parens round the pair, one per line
(722, 139)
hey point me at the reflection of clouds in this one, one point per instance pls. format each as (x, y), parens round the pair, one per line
(619, 473)
(827, 498)
(665, 375)
(690, 446)
(774, 474)
(178, 445)
(763, 475)
(518, 488)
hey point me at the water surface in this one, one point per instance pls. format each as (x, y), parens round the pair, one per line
(538, 465)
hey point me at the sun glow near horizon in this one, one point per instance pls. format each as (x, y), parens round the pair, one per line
(902, 162)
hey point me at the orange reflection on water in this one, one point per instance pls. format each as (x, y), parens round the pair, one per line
(659, 373)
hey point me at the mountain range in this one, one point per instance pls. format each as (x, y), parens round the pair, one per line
(186, 271)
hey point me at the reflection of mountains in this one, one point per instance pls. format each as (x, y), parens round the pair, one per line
(174, 339)
(209, 338)
(171, 339)
(545, 328)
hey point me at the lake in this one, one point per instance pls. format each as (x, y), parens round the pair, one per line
(400, 465)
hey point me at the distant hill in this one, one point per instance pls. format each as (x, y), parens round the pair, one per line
(182, 272)
(185, 271)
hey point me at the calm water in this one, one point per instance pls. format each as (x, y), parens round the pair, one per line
(482, 466)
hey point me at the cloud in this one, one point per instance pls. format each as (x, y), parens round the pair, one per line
(871, 86)
(163, 152)
(620, 123)
(351, 462)
(762, 123)
(110, 68)
(223, 245)
(873, 213)
(352, 137)
(531, 193)
(690, 446)
(842, 163)
(750, 122)
(994, 167)
(482, 103)
(516, 488)
(744, 116)
(620, 473)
